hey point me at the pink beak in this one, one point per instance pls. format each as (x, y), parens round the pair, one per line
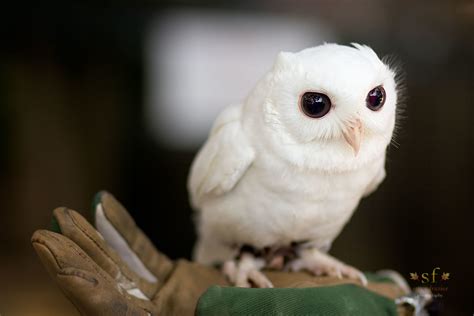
(353, 134)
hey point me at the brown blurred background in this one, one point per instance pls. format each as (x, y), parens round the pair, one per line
(74, 81)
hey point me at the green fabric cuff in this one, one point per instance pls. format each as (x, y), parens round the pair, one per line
(377, 278)
(95, 201)
(54, 226)
(344, 299)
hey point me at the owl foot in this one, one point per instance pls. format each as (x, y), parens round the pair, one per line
(245, 271)
(320, 263)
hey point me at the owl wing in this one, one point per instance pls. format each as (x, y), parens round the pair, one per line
(223, 159)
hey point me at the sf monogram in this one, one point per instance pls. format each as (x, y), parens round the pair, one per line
(432, 277)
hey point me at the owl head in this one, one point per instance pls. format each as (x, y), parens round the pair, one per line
(330, 107)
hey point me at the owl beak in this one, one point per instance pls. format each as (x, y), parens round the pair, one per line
(352, 135)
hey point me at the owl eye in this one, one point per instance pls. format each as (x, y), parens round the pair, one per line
(315, 105)
(375, 98)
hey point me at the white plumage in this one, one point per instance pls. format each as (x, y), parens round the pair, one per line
(270, 175)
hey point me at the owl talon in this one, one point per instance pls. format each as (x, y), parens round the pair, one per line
(229, 269)
(319, 263)
(246, 271)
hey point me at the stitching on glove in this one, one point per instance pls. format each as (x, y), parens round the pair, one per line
(83, 230)
(78, 273)
(93, 264)
(43, 243)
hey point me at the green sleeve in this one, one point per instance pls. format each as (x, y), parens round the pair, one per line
(345, 299)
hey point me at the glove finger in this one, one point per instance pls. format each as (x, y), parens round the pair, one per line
(88, 287)
(75, 227)
(122, 234)
(94, 296)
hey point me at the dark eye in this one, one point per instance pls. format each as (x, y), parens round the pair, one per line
(376, 98)
(315, 105)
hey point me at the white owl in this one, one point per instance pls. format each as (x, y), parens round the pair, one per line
(281, 174)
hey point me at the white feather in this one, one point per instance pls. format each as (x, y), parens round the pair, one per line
(223, 159)
(268, 175)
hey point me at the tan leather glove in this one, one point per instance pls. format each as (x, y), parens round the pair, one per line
(116, 270)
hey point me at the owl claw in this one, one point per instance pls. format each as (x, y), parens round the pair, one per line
(319, 263)
(353, 273)
(246, 271)
(229, 269)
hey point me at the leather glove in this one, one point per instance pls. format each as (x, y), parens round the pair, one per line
(117, 271)
(114, 269)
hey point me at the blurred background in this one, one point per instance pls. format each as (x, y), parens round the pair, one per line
(121, 96)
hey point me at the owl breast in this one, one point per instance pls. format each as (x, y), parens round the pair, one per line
(271, 209)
